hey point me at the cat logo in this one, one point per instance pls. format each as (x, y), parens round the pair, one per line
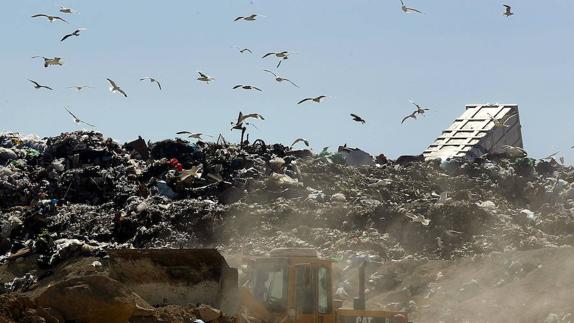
(363, 319)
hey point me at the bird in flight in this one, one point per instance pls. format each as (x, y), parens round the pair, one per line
(152, 80)
(247, 87)
(75, 33)
(283, 55)
(242, 117)
(205, 78)
(252, 17)
(37, 86)
(78, 120)
(412, 115)
(407, 9)
(80, 87)
(67, 10)
(243, 50)
(499, 123)
(195, 135)
(420, 110)
(280, 79)
(50, 61)
(115, 88)
(357, 118)
(508, 11)
(50, 18)
(298, 140)
(318, 99)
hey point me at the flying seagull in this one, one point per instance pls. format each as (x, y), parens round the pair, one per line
(75, 33)
(252, 17)
(115, 88)
(77, 120)
(80, 87)
(420, 110)
(243, 50)
(283, 55)
(298, 140)
(247, 87)
(508, 10)
(407, 9)
(50, 61)
(357, 118)
(318, 99)
(195, 135)
(498, 123)
(152, 80)
(38, 86)
(67, 10)
(50, 18)
(205, 78)
(412, 115)
(242, 117)
(280, 79)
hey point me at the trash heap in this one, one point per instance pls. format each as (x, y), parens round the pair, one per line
(78, 194)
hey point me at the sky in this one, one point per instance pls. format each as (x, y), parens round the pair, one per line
(366, 56)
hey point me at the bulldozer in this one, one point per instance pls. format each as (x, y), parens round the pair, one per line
(288, 285)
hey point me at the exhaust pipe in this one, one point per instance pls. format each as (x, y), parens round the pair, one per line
(360, 303)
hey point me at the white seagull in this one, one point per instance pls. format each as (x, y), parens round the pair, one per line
(318, 99)
(67, 10)
(75, 33)
(252, 17)
(280, 79)
(115, 88)
(195, 135)
(407, 9)
(205, 78)
(77, 120)
(80, 87)
(37, 86)
(152, 80)
(50, 61)
(303, 140)
(283, 55)
(50, 18)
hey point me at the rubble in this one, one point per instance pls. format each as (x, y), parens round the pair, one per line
(78, 194)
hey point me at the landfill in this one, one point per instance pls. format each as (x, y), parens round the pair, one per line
(65, 200)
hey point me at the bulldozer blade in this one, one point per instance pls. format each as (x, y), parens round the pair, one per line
(178, 276)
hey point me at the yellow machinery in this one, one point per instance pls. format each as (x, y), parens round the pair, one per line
(291, 285)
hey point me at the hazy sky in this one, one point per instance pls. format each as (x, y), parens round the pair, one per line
(367, 55)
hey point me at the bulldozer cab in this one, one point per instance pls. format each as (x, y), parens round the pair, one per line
(295, 285)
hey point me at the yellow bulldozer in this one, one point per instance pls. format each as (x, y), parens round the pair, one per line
(290, 285)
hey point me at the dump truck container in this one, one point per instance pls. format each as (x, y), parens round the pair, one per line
(481, 129)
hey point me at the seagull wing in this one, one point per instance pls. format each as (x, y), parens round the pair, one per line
(183, 133)
(58, 18)
(291, 82)
(112, 84)
(40, 15)
(158, 84)
(47, 87)
(405, 118)
(256, 88)
(73, 115)
(268, 54)
(237, 86)
(507, 7)
(66, 37)
(84, 122)
(122, 92)
(307, 99)
(268, 71)
(238, 18)
(355, 116)
(34, 82)
(202, 75)
(246, 50)
(414, 10)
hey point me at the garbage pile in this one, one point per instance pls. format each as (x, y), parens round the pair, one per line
(79, 193)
